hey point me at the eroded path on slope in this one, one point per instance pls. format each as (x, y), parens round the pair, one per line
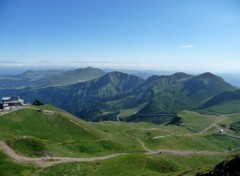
(223, 118)
(179, 152)
(173, 152)
(47, 161)
(189, 152)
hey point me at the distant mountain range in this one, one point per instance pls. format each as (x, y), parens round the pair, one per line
(183, 92)
(232, 78)
(47, 78)
(94, 95)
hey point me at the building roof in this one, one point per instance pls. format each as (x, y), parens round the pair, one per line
(6, 98)
(15, 98)
(12, 99)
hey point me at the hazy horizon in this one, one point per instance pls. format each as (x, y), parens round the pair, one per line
(188, 36)
(11, 69)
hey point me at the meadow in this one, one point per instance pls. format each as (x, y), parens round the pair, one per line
(35, 131)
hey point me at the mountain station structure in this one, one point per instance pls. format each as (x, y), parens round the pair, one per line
(9, 102)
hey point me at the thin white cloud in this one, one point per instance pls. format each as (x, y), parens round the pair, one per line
(186, 46)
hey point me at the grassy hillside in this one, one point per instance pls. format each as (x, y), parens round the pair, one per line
(134, 165)
(123, 165)
(191, 130)
(235, 126)
(193, 121)
(227, 106)
(31, 132)
(185, 94)
(157, 99)
(230, 166)
(9, 168)
(146, 91)
(226, 102)
(86, 99)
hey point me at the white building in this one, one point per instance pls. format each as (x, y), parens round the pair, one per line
(8, 102)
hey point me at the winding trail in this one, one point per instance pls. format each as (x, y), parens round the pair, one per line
(47, 161)
(214, 124)
(147, 150)
(174, 152)
(182, 152)
(189, 153)
(179, 152)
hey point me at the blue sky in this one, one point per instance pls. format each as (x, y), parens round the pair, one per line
(179, 35)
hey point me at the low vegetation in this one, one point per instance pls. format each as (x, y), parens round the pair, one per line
(226, 167)
(31, 132)
(157, 99)
(125, 165)
(196, 122)
(134, 165)
(235, 127)
(9, 168)
(28, 146)
(62, 134)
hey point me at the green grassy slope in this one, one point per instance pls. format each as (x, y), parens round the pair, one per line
(226, 102)
(27, 129)
(192, 131)
(228, 106)
(195, 122)
(133, 165)
(30, 132)
(9, 168)
(86, 99)
(145, 91)
(157, 99)
(218, 99)
(230, 166)
(235, 127)
(185, 94)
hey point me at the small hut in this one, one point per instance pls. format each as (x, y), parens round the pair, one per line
(37, 103)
